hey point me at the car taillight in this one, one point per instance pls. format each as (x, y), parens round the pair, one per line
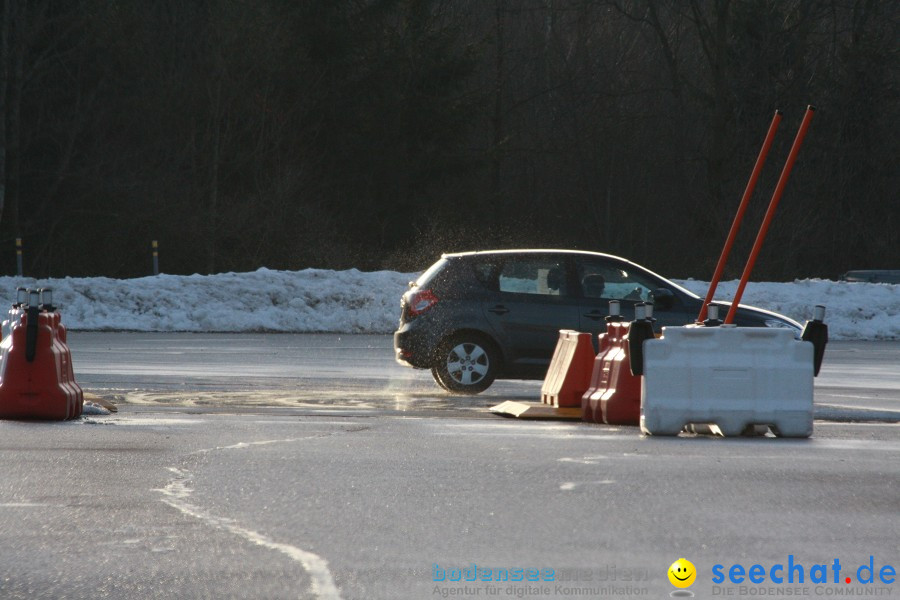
(420, 301)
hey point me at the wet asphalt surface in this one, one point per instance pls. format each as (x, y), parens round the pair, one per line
(315, 467)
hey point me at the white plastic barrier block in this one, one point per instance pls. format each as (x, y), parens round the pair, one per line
(731, 376)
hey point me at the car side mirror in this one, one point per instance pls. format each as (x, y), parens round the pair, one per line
(662, 298)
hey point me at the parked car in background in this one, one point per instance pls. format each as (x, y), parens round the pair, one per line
(873, 276)
(473, 317)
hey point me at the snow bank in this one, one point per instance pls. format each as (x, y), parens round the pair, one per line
(315, 300)
(312, 300)
(855, 311)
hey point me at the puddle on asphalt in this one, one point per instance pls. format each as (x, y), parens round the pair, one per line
(368, 400)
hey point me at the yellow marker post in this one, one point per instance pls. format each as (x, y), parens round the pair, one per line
(19, 256)
(155, 246)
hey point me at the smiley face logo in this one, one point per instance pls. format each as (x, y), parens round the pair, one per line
(682, 573)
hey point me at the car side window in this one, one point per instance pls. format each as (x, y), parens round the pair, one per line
(538, 276)
(612, 282)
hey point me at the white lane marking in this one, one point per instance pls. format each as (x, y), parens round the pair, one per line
(585, 460)
(151, 421)
(177, 494)
(568, 431)
(245, 445)
(488, 425)
(876, 445)
(543, 436)
(22, 505)
(835, 412)
(312, 422)
(858, 423)
(856, 397)
(568, 486)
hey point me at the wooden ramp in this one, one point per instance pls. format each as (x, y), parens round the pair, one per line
(536, 410)
(107, 404)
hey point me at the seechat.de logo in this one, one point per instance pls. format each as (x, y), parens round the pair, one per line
(793, 572)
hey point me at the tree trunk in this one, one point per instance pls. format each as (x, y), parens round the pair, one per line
(497, 118)
(4, 86)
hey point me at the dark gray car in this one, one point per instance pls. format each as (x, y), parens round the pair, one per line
(474, 317)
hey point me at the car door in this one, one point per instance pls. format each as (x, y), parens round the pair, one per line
(600, 280)
(535, 300)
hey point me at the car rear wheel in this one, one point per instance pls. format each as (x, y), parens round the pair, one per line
(466, 364)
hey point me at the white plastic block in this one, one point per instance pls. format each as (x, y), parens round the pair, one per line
(731, 376)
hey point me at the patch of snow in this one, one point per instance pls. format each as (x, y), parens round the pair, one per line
(854, 311)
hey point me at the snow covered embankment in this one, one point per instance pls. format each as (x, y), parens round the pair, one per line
(316, 300)
(855, 311)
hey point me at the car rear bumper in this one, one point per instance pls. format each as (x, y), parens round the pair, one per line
(413, 347)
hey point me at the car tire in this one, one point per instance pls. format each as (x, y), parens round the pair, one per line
(466, 364)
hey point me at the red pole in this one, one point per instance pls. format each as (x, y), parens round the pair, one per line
(770, 213)
(742, 208)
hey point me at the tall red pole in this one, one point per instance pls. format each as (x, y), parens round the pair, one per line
(770, 213)
(742, 208)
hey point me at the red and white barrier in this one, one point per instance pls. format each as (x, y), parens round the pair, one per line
(614, 395)
(569, 375)
(37, 380)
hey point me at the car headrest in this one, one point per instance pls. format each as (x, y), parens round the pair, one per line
(554, 278)
(593, 285)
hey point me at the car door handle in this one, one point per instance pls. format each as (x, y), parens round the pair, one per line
(595, 315)
(499, 310)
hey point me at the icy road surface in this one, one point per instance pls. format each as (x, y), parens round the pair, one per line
(314, 467)
(358, 371)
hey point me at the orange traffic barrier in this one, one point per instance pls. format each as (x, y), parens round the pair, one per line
(614, 394)
(601, 370)
(36, 376)
(569, 374)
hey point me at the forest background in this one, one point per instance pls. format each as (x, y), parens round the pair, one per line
(377, 134)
